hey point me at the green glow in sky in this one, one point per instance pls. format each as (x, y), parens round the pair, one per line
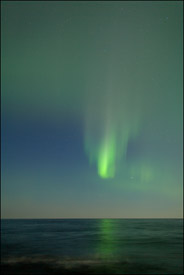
(107, 150)
(108, 131)
(106, 159)
(112, 113)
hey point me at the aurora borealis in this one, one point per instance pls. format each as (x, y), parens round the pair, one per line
(92, 109)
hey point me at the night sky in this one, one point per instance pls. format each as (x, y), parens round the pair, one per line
(92, 109)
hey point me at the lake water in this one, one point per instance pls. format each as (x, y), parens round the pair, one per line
(92, 246)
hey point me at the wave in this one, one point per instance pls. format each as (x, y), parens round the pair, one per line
(56, 265)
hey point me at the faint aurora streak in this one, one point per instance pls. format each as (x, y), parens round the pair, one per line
(110, 123)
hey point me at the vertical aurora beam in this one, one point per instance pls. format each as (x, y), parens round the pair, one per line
(112, 108)
(106, 157)
(109, 125)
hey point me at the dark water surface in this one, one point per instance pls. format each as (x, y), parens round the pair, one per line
(96, 246)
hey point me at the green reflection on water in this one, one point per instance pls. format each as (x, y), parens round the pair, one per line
(108, 239)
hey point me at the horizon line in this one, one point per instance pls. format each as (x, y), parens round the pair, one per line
(90, 218)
